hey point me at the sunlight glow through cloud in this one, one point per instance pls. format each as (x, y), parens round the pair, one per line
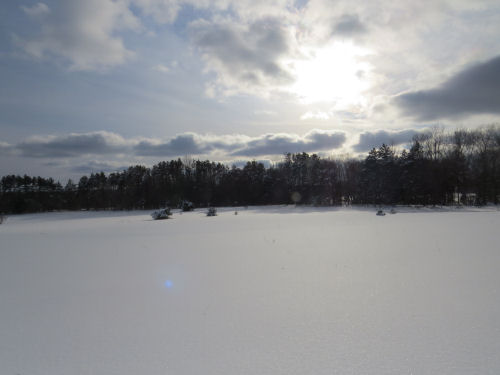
(334, 73)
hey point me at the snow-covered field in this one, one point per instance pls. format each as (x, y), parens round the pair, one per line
(272, 290)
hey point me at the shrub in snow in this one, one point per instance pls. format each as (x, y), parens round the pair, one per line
(161, 214)
(2, 218)
(212, 211)
(187, 206)
(393, 211)
(380, 213)
(236, 212)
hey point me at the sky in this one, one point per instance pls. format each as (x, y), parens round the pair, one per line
(99, 85)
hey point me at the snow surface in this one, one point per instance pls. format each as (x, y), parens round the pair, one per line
(271, 290)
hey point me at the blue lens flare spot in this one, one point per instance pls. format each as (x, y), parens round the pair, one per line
(169, 284)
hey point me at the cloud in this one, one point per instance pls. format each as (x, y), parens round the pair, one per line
(245, 58)
(80, 33)
(161, 68)
(38, 10)
(276, 144)
(317, 115)
(191, 144)
(181, 144)
(5, 148)
(162, 11)
(98, 166)
(167, 11)
(349, 25)
(369, 140)
(72, 145)
(241, 145)
(475, 90)
(114, 145)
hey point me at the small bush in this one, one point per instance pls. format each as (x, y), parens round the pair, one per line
(380, 213)
(212, 211)
(187, 206)
(161, 214)
(2, 218)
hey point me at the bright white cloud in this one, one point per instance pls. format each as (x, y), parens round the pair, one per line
(317, 115)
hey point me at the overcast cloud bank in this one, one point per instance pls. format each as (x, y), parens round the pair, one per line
(107, 143)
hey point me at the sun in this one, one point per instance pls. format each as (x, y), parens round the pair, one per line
(333, 74)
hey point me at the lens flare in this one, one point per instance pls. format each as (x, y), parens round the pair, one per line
(169, 284)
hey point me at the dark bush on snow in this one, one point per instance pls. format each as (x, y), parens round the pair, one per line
(161, 214)
(187, 206)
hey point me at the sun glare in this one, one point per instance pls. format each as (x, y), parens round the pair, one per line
(332, 74)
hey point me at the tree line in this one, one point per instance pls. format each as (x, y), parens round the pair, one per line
(438, 168)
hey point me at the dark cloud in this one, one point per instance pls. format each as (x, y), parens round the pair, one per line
(5, 148)
(268, 144)
(244, 54)
(475, 90)
(96, 166)
(181, 144)
(349, 25)
(275, 144)
(104, 143)
(369, 140)
(72, 145)
(316, 140)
